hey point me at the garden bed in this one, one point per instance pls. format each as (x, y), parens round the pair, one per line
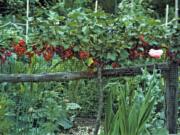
(82, 126)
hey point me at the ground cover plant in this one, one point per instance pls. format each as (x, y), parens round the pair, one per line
(81, 35)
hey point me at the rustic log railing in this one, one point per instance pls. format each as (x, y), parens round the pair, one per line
(168, 70)
(67, 76)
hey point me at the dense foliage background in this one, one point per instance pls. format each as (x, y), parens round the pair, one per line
(67, 35)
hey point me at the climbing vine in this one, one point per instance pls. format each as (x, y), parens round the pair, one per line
(95, 37)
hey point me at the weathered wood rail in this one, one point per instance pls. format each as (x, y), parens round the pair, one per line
(66, 76)
(168, 70)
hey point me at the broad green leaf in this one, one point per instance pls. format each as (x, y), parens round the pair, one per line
(65, 123)
(112, 56)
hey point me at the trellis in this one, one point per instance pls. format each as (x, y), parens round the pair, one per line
(168, 70)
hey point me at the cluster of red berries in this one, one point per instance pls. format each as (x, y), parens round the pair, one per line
(138, 51)
(20, 48)
(48, 52)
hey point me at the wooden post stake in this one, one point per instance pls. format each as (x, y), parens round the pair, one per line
(177, 11)
(171, 98)
(96, 6)
(167, 14)
(101, 103)
(27, 20)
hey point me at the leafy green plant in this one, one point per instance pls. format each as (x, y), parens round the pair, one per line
(134, 108)
(107, 38)
(6, 123)
(38, 108)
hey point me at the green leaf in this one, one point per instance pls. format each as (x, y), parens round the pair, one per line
(90, 61)
(124, 54)
(85, 30)
(72, 106)
(65, 123)
(161, 131)
(112, 56)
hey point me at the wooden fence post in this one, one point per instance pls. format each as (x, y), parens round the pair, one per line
(171, 79)
(101, 102)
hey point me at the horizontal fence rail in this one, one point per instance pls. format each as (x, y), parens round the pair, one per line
(65, 76)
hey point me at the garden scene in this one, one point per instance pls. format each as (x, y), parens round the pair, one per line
(89, 67)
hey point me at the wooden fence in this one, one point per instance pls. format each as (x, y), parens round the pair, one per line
(169, 72)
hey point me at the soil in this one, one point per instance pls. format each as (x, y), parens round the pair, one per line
(82, 126)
